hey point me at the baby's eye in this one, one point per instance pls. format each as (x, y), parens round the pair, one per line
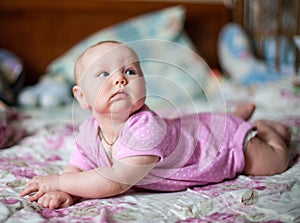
(130, 72)
(103, 74)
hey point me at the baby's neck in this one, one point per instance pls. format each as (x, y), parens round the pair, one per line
(111, 124)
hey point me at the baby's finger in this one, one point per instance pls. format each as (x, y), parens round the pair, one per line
(29, 188)
(54, 203)
(48, 202)
(68, 202)
(44, 201)
(27, 191)
(36, 196)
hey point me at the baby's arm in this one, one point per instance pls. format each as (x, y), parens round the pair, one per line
(97, 183)
(106, 182)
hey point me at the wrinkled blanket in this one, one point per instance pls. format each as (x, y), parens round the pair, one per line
(244, 199)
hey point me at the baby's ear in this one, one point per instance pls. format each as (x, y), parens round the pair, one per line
(79, 95)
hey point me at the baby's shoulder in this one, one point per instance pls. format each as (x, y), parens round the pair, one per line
(143, 130)
(145, 120)
(142, 117)
(89, 124)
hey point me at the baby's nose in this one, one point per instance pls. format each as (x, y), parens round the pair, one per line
(120, 79)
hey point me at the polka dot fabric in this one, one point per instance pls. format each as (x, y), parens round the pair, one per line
(194, 150)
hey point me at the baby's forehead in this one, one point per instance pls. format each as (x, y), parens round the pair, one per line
(103, 51)
(108, 50)
(93, 54)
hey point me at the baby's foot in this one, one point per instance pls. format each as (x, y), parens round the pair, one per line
(245, 110)
(283, 130)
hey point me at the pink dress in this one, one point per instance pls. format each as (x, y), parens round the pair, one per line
(194, 150)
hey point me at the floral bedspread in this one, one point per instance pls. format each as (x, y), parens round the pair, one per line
(244, 199)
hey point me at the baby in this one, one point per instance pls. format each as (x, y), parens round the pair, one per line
(125, 144)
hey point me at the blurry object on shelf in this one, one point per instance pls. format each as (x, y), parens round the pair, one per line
(272, 25)
(297, 44)
(11, 76)
(238, 60)
(284, 62)
(297, 41)
(52, 90)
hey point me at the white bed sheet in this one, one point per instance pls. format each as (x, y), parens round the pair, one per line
(244, 199)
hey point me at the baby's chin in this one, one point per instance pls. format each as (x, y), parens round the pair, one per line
(124, 107)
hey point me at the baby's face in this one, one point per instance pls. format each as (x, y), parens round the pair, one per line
(111, 79)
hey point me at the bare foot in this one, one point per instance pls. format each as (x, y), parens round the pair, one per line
(283, 130)
(245, 110)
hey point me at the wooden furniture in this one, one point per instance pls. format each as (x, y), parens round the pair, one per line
(261, 18)
(39, 31)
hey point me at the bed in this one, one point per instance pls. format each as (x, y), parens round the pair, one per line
(49, 138)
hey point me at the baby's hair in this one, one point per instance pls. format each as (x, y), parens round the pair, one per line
(105, 41)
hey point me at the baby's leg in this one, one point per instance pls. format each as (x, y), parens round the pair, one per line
(267, 154)
(244, 111)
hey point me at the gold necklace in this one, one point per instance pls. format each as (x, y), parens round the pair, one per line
(110, 145)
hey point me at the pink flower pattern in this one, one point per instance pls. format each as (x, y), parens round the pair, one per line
(242, 199)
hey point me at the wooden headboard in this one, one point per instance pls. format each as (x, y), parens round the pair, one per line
(39, 31)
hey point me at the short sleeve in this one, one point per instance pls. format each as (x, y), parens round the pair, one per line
(77, 159)
(143, 134)
(83, 155)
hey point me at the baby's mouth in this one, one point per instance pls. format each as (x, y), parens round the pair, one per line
(119, 95)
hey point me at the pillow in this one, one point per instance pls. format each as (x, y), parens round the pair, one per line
(163, 47)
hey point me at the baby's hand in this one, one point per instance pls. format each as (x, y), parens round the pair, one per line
(41, 185)
(55, 199)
